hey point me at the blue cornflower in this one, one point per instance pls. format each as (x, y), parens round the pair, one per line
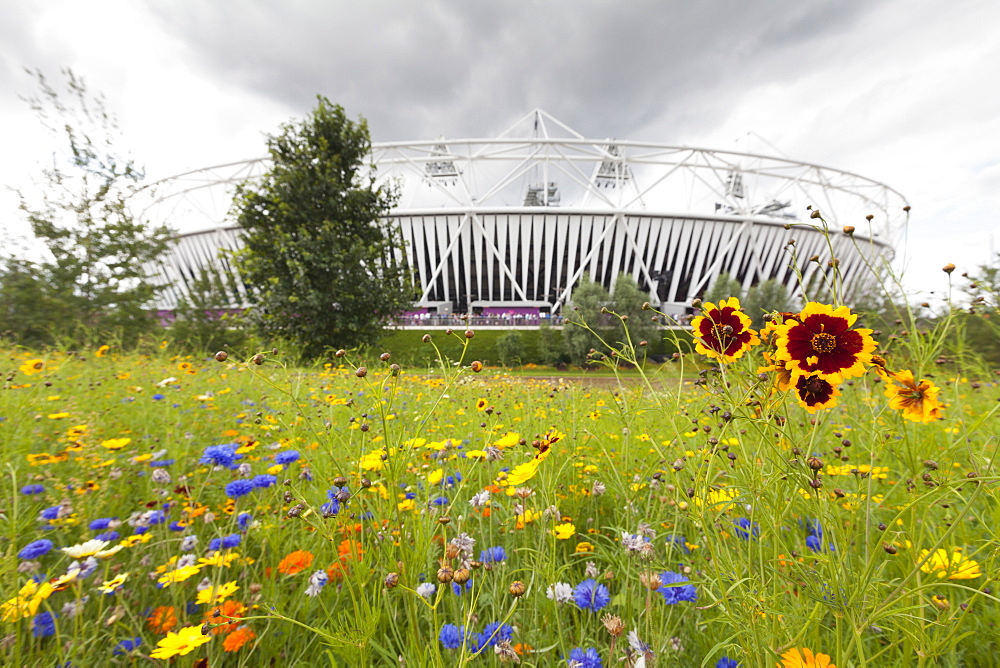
(221, 455)
(287, 457)
(493, 555)
(32, 489)
(746, 529)
(587, 658)
(156, 517)
(589, 595)
(451, 636)
(230, 541)
(50, 513)
(109, 536)
(243, 520)
(264, 480)
(139, 530)
(177, 526)
(238, 488)
(439, 501)
(679, 541)
(331, 507)
(726, 662)
(814, 528)
(494, 632)
(126, 646)
(101, 524)
(35, 549)
(459, 589)
(161, 463)
(674, 595)
(157, 396)
(43, 625)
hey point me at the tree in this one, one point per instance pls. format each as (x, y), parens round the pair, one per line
(627, 301)
(723, 287)
(324, 264)
(93, 279)
(766, 297)
(510, 348)
(587, 301)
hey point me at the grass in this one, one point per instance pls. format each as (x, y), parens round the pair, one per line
(849, 531)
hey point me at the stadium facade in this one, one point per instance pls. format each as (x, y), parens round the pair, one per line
(510, 225)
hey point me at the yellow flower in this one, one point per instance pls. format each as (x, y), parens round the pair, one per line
(508, 440)
(116, 443)
(954, 567)
(584, 547)
(219, 559)
(434, 477)
(917, 401)
(406, 504)
(58, 416)
(521, 473)
(804, 658)
(178, 575)
(135, 539)
(102, 351)
(564, 531)
(31, 367)
(214, 595)
(180, 643)
(113, 585)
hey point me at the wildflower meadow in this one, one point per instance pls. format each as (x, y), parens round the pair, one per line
(812, 493)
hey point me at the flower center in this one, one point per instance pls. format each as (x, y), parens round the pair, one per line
(722, 331)
(815, 385)
(824, 343)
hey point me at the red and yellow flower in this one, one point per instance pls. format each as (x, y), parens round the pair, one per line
(917, 400)
(815, 392)
(723, 333)
(824, 344)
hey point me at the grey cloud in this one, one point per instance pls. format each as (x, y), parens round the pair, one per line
(422, 69)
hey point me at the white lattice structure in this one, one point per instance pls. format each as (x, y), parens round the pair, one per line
(514, 222)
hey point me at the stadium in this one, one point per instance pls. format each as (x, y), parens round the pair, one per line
(507, 227)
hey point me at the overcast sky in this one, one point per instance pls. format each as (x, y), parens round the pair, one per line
(901, 91)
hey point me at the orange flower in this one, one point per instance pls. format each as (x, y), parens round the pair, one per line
(295, 562)
(163, 619)
(804, 658)
(350, 550)
(228, 609)
(235, 640)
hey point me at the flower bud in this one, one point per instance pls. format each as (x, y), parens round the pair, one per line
(948, 268)
(391, 580)
(361, 372)
(476, 366)
(517, 588)
(221, 356)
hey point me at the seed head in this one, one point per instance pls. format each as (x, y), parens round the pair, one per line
(469, 333)
(445, 575)
(340, 353)
(517, 588)
(461, 576)
(221, 356)
(849, 230)
(391, 580)
(361, 372)
(257, 359)
(614, 625)
(426, 338)
(384, 357)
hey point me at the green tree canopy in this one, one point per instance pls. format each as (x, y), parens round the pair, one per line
(323, 265)
(588, 299)
(627, 301)
(723, 287)
(766, 297)
(92, 280)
